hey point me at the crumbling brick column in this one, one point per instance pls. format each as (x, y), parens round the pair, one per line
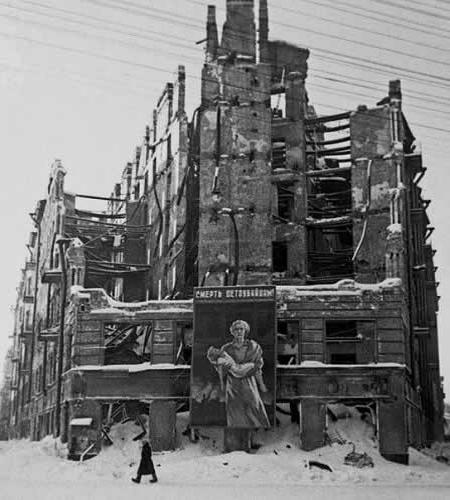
(312, 424)
(236, 439)
(392, 424)
(162, 420)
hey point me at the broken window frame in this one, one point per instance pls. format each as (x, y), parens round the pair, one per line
(153, 332)
(283, 246)
(334, 264)
(279, 153)
(285, 200)
(326, 203)
(355, 328)
(290, 329)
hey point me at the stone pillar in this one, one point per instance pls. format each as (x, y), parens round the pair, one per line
(162, 420)
(81, 437)
(371, 138)
(239, 31)
(212, 37)
(392, 424)
(392, 429)
(236, 439)
(263, 32)
(312, 424)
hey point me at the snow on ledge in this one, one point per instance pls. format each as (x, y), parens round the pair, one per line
(395, 228)
(136, 305)
(79, 291)
(141, 367)
(343, 287)
(319, 364)
(131, 314)
(114, 305)
(81, 422)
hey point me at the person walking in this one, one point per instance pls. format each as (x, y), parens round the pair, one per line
(146, 466)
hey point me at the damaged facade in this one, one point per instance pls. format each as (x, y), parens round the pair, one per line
(255, 189)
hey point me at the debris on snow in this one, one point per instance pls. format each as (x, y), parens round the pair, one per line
(319, 465)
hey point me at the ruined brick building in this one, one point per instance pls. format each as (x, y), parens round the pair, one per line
(255, 189)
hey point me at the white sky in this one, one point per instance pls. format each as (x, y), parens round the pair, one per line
(79, 79)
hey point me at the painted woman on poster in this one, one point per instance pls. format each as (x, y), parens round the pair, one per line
(239, 364)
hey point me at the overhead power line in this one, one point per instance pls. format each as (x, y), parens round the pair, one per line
(420, 24)
(140, 65)
(85, 52)
(135, 45)
(369, 87)
(445, 2)
(163, 70)
(128, 44)
(413, 9)
(112, 86)
(365, 30)
(419, 96)
(137, 33)
(149, 12)
(355, 10)
(427, 75)
(404, 70)
(362, 64)
(319, 33)
(425, 4)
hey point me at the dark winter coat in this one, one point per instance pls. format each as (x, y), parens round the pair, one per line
(146, 465)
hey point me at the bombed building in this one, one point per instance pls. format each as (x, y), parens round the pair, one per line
(254, 190)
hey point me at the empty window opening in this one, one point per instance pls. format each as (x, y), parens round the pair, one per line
(328, 143)
(146, 183)
(28, 320)
(278, 104)
(350, 342)
(329, 197)
(344, 414)
(287, 339)
(137, 191)
(167, 213)
(127, 343)
(330, 252)
(285, 201)
(279, 256)
(169, 149)
(185, 336)
(278, 153)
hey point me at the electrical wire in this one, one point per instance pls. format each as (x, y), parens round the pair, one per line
(422, 96)
(98, 37)
(369, 87)
(318, 56)
(145, 66)
(366, 30)
(100, 20)
(359, 43)
(366, 210)
(72, 13)
(386, 19)
(24, 0)
(414, 9)
(145, 12)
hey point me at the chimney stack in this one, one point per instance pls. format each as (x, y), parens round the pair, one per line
(212, 37)
(263, 31)
(239, 31)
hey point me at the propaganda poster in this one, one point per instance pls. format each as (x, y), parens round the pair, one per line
(233, 373)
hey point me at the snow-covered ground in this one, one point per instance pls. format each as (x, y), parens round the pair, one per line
(277, 470)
